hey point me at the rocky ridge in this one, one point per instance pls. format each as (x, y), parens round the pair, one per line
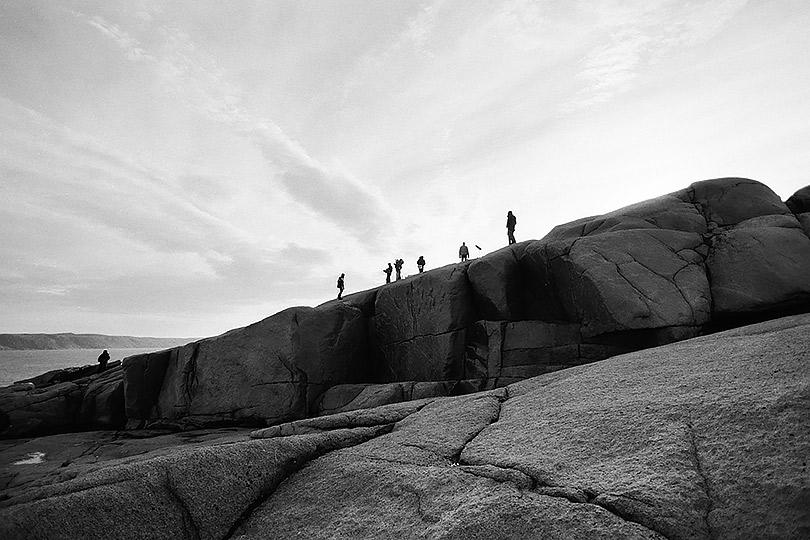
(717, 254)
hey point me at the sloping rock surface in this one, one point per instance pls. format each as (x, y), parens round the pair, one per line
(707, 438)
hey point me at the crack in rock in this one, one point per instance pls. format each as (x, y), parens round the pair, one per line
(188, 520)
(502, 398)
(704, 481)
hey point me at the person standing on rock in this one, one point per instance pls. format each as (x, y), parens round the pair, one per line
(388, 273)
(398, 266)
(340, 285)
(420, 263)
(511, 221)
(463, 252)
(103, 358)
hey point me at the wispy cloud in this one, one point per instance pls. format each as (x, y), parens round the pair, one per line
(641, 33)
(333, 194)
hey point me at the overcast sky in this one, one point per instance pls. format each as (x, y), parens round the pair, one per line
(183, 168)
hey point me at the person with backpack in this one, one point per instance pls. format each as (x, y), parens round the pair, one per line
(398, 266)
(340, 285)
(420, 263)
(387, 272)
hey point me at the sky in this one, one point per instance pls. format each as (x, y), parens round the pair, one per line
(179, 169)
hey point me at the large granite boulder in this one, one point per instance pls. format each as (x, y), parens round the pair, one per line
(267, 372)
(761, 264)
(707, 438)
(630, 279)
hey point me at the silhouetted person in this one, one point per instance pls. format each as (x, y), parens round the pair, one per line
(398, 266)
(103, 358)
(420, 263)
(463, 252)
(511, 221)
(340, 285)
(388, 273)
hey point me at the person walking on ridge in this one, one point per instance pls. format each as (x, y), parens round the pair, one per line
(388, 273)
(420, 263)
(398, 266)
(463, 252)
(340, 285)
(511, 221)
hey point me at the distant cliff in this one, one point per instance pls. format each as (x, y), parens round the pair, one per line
(83, 341)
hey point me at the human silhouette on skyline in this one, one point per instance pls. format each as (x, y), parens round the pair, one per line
(463, 252)
(511, 221)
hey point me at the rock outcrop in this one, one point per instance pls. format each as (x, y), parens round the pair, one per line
(703, 439)
(73, 399)
(715, 255)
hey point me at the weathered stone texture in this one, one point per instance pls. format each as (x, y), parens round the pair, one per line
(759, 266)
(634, 279)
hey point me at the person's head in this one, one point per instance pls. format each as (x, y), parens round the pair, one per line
(342, 275)
(509, 213)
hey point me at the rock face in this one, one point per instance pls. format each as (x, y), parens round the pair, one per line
(707, 438)
(65, 400)
(267, 372)
(717, 254)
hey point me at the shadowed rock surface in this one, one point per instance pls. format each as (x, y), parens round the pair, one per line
(707, 438)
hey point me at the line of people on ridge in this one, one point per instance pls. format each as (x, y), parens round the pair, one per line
(463, 253)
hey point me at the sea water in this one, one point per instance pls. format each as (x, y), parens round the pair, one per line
(19, 365)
